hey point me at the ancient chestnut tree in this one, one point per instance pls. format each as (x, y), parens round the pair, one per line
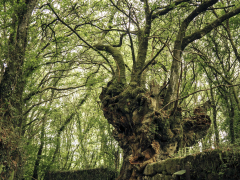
(147, 122)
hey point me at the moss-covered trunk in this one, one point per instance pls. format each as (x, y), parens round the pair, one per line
(11, 90)
(144, 131)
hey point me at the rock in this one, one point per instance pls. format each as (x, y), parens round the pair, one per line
(150, 169)
(159, 167)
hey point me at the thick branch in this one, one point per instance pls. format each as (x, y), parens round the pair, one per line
(120, 41)
(143, 44)
(203, 7)
(168, 8)
(132, 50)
(117, 56)
(199, 34)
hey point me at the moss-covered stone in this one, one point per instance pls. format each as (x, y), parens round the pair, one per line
(159, 167)
(164, 173)
(168, 177)
(150, 169)
(171, 165)
(215, 164)
(158, 177)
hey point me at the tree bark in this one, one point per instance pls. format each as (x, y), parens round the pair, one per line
(12, 87)
(39, 154)
(216, 132)
(143, 131)
(232, 117)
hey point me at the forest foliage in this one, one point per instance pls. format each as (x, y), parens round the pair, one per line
(57, 56)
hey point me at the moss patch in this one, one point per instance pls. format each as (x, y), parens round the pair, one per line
(215, 164)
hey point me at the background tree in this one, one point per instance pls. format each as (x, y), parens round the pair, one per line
(15, 21)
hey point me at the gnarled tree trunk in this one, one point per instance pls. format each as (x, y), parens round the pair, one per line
(144, 130)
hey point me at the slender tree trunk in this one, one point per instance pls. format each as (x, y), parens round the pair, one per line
(216, 132)
(231, 116)
(116, 159)
(173, 88)
(39, 154)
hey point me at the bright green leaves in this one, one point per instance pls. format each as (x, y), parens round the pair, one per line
(172, 5)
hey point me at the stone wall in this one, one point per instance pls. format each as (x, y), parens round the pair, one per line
(218, 164)
(215, 164)
(88, 174)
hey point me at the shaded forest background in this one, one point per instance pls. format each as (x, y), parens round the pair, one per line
(55, 63)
